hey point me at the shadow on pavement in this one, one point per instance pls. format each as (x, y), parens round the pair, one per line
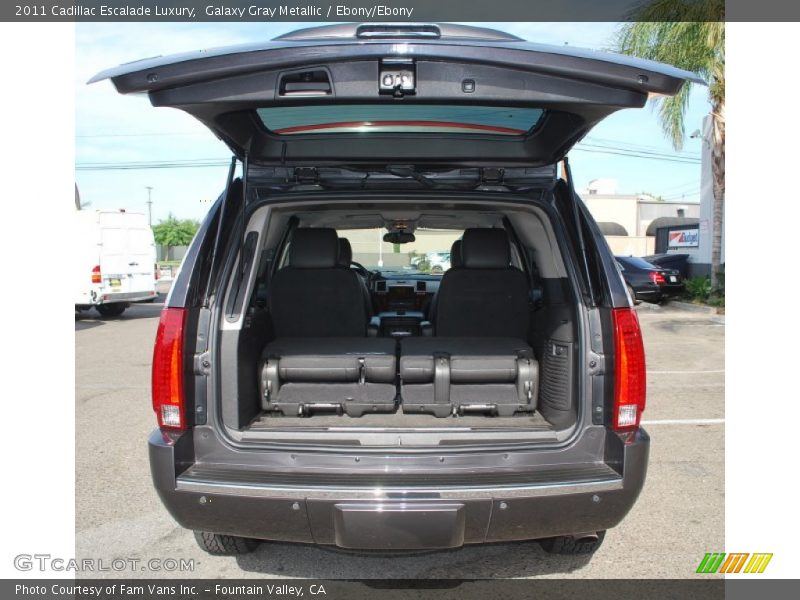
(88, 319)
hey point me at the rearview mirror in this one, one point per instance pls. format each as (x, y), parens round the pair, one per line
(399, 237)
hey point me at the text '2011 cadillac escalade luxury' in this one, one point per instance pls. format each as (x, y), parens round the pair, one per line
(398, 327)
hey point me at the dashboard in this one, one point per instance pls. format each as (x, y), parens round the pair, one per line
(409, 293)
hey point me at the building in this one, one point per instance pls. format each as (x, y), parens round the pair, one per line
(700, 258)
(624, 219)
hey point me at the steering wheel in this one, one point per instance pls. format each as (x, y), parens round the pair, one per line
(361, 270)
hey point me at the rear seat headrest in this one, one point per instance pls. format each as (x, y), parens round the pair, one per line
(455, 255)
(345, 252)
(485, 249)
(314, 248)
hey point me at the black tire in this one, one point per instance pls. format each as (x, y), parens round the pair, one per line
(633, 295)
(225, 545)
(112, 310)
(566, 544)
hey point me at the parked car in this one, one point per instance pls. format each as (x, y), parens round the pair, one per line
(670, 260)
(649, 282)
(115, 261)
(439, 262)
(287, 409)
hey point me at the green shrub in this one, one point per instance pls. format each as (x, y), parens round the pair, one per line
(698, 288)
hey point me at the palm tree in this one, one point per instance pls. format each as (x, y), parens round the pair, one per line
(691, 36)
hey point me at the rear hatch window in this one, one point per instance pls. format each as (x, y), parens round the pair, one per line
(399, 118)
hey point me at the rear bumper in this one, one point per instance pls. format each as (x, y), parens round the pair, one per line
(396, 517)
(673, 289)
(648, 293)
(112, 297)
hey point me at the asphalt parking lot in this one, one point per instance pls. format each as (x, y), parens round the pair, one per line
(678, 518)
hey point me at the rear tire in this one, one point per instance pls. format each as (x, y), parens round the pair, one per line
(566, 544)
(225, 545)
(633, 295)
(111, 310)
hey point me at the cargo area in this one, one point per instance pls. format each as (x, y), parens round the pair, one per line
(322, 343)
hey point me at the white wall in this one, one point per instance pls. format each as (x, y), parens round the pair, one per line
(614, 209)
(631, 245)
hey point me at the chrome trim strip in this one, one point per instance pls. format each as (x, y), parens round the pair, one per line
(413, 493)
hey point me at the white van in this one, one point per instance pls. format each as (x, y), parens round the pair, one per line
(115, 262)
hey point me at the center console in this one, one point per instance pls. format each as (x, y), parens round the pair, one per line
(399, 323)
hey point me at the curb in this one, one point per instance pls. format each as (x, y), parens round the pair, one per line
(649, 306)
(696, 308)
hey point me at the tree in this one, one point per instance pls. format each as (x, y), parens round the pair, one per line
(691, 36)
(174, 232)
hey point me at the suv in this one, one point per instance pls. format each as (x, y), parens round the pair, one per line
(301, 397)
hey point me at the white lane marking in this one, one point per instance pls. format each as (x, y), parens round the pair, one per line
(684, 372)
(684, 422)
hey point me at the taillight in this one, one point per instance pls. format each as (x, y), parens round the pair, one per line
(168, 400)
(155, 271)
(657, 278)
(97, 277)
(629, 372)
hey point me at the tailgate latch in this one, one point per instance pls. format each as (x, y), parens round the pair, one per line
(492, 176)
(597, 364)
(306, 175)
(202, 364)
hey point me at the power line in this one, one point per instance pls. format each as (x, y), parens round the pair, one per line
(676, 188)
(682, 195)
(633, 155)
(638, 152)
(213, 162)
(644, 147)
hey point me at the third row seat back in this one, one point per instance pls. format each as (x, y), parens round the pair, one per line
(313, 296)
(485, 296)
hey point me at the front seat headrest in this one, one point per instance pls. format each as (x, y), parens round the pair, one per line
(485, 249)
(455, 255)
(345, 252)
(314, 248)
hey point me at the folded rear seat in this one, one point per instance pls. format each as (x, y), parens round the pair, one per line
(458, 375)
(300, 376)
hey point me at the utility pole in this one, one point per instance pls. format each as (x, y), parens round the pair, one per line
(149, 205)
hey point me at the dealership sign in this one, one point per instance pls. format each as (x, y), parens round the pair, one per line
(685, 238)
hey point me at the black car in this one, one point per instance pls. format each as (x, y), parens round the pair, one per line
(300, 401)
(649, 282)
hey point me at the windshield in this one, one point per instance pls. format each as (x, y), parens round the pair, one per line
(429, 254)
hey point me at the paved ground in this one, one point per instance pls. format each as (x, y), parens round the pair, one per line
(678, 518)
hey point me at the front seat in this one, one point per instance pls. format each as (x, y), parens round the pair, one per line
(455, 263)
(485, 296)
(455, 255)
(345, 259)
(313, 296)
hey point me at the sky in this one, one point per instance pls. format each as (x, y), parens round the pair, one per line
(110, 128)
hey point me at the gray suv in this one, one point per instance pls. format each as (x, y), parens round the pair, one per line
(314, 380)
